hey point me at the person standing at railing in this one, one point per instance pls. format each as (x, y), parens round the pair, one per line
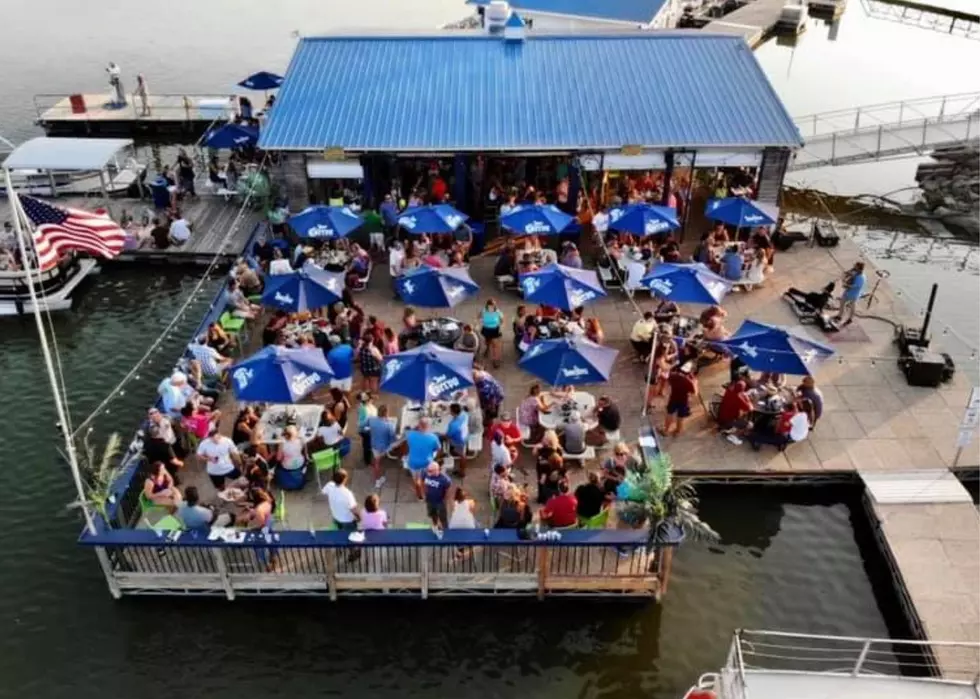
(118, 99)
(142, 94)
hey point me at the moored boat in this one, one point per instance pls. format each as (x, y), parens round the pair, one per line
(56, 287)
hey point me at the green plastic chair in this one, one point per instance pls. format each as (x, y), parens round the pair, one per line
(418, 525)
(230, 323)
(168, 524)
(325, 460)
(147, 506)
(280, 513)
(597, 522)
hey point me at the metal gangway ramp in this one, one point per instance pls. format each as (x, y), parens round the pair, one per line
(926, 16)
(879, 131)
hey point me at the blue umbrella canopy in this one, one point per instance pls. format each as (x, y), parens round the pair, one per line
(569, 361)
(279, 374)
(739, 211)
(437, 218)
(686, 283)
(561, 287)
(231, 136)
(536, 219)
(324, 222)
(429, 372)
(771, 348)
(644, 219)
(263, 80)
(435, 288)
(303, 290)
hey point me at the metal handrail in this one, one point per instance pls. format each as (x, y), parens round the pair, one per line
(942, 108)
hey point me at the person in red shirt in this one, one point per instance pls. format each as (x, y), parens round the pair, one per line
(735, 408)
(511, 432)
(438, 190)
(562, 509)
(682, 386)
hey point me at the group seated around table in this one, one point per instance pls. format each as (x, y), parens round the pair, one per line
(764, 411)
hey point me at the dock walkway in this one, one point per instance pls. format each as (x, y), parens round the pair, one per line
(754, 21)
(210, 217)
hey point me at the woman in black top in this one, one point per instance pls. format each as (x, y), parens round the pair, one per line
(514, 512)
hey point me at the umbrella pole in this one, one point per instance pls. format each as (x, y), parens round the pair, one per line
(649, 381)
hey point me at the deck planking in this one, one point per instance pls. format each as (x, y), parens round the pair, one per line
(754, 21)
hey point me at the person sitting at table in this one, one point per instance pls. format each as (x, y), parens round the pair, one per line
(561, 509)
(608, 419)
(529, 336)
(237, 304)
(773, 379)
(411, 329)
(526, 265)
(641, 336)
(761, 241)
(735, 410)
(468, 340)
(720, 234)
(194, 515)
(593, 331)
(212, 362)
(291, 453)
(807, 390)
(732, 263)
(245, 423)
(506, 264)
(547, 313)
(276, 324)
(458, 435)
(670, 253)
(248, 279)
(572, 438)
(615, 467)
(511, 433)
(590, 498)
(550, 469)
(705, 254)
(792, 425)
(218, 339)
(258, 513)
(432, 259)
(713, 323)
(160, 488)
(571, 257)
(529, 412)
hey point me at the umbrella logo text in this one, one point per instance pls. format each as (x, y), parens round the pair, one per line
(653, 226)
(284, 298)
(242, 377)
(749, 350)
(320, 231)
(574, 372)
(534, 350)
(809, 356)
(301, 383)
(442, 385)
(579, 297)
(407, 222)
(536, 227)
(531, 284)
(454, 291)
(661, 286)
(453, 220)
(615, 214)
(392, 368)
(408, 287)
(753, 218)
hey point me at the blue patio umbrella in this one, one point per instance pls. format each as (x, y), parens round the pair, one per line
(644, 219)
(303, 290)
(686, 283)
(324, 222)
(429, 372)
(279, 374)
(561, 287)
(569, 361)
(263, 80)
(536, 219)
(435, 288)
(739, 212)
(231, 136)
(765, 347)
(436, 218)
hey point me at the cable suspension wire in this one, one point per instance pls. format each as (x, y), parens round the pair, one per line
(177, 316)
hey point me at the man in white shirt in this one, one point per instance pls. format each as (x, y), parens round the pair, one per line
(343, 505)
(221, 456)
(600, 222)
(799, 427)
(180, 230)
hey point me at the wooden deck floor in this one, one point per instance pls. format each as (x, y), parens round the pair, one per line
(754, 21)
(210, 217)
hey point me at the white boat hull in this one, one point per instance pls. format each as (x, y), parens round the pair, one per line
(37, 183)
(59, 299)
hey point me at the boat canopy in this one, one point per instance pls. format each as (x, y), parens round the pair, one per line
(65, 153)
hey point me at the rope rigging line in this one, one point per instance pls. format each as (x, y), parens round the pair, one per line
(178, 315)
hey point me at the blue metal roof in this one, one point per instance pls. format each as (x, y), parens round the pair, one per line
(472, 92)
(632, 11)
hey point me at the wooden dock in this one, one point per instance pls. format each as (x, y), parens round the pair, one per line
(755, 22)
(210, 218)
(181, 117)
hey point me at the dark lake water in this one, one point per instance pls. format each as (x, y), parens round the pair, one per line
(789, 560)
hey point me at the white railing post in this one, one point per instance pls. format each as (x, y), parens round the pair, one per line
(878, 150)
(860, 661)
(833, 147)
(110, 576)
(222, 567)
(814, 124)
(942, 109)
(857, 120)
(901, 111)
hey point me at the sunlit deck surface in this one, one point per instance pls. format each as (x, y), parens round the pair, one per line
(210, 216)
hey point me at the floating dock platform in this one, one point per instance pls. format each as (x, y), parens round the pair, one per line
(177, 117)
(755, 22)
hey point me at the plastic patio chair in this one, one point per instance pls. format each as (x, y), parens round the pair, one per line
(230, 323)
(597, 522)
(325, 460)
(280, 513)
(147, 506)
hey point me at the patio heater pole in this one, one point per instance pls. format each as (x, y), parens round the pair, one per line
(649, 381)
(59, 401)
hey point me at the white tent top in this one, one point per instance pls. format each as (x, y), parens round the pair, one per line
(65, 153)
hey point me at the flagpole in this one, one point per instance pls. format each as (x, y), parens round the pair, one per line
(46, 352)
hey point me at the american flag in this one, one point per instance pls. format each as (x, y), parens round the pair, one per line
(57, 230)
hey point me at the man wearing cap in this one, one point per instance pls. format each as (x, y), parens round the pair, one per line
(174, 394)
(682, 385)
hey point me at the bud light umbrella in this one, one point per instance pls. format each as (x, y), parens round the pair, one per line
(429, 372)
(739, 212)
(435, 288)
(569, 361)
(644, 219)
(437, 218)
(262, 80)
(561, 287)
(279, 374)
(231, 136)
(686, 283)
(324, 222)
(765, 347)
(303, 290)
(536, 219)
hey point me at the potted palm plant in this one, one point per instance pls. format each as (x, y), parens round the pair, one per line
(100, 473)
